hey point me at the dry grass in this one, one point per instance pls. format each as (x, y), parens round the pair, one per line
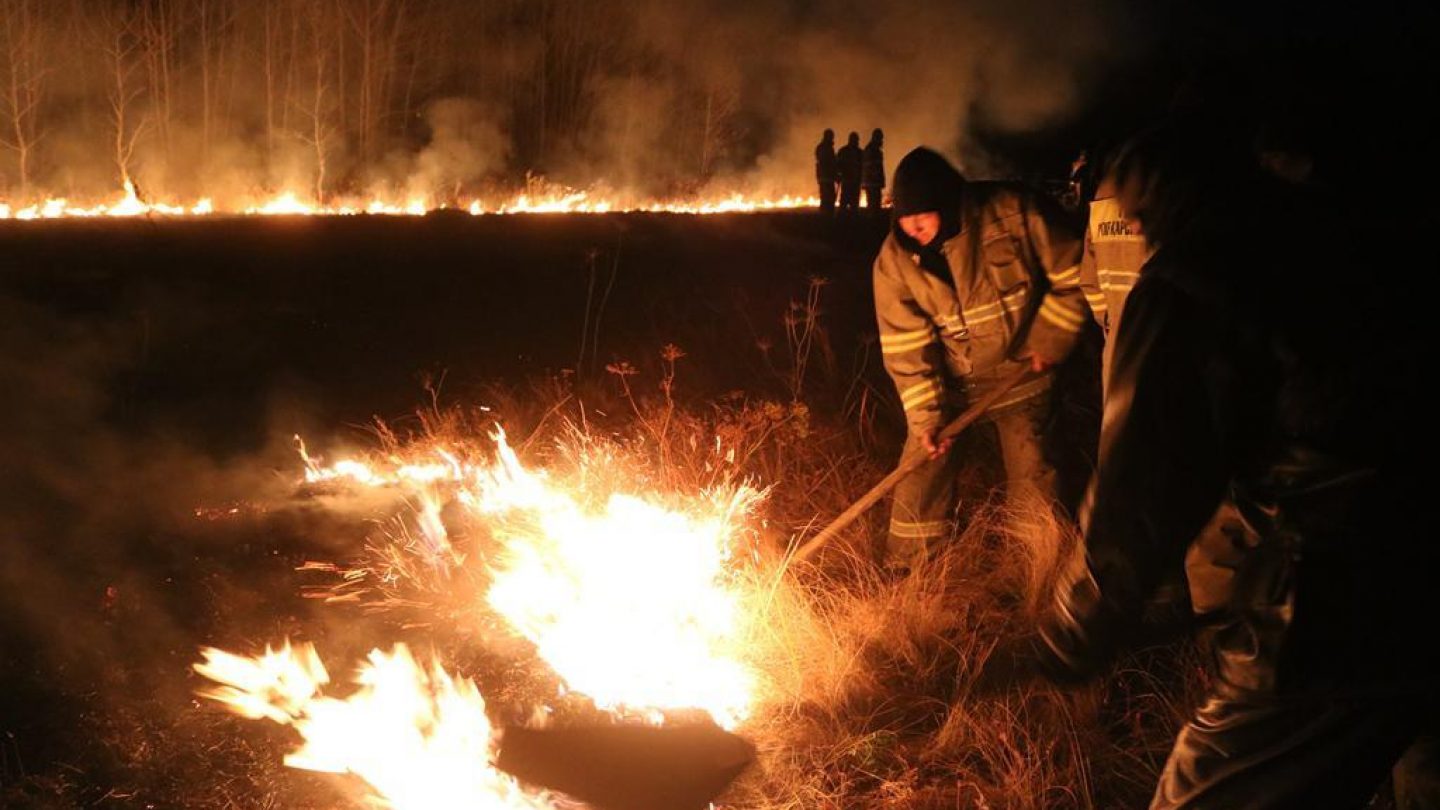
(869, 683)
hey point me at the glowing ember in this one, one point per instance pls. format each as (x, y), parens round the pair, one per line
(418, 737)
(631, 600)
(541, 199)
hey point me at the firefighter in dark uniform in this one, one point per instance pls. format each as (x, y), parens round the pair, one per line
(1258, 434)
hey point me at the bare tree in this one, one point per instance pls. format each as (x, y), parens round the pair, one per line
(22, 85)
(377, 26)
(346, 80)
(155, 25)
(717, 127)
(120, 32)
(277, 61)
(213, 21)
(318, 107)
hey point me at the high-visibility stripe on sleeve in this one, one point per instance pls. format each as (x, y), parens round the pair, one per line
(1069, 275)
(1060, 316)
(901, 342)
(1097, 302)
(919, 395)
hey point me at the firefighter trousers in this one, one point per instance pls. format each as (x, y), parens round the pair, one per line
(1329, 738)
(924, 506)
(1266, 753)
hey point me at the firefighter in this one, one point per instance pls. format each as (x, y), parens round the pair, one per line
(826, 171)
(1114, 253)
(1287, 147)
(974, 281)
(1252, 439)
(872, 171)
(848, 161)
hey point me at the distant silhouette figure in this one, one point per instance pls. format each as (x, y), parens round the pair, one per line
(872, 171)
(848, 161)
(825, 171)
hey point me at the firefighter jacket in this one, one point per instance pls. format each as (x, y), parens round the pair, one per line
(1111, 262)
(1008, 285)
(1258, 432)
(1110, 267)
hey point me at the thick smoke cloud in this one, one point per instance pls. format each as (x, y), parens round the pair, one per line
(430, 97)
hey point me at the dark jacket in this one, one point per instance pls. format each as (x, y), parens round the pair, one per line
(1260, 431)
(825, 166)
(872, 165)
(847, 162)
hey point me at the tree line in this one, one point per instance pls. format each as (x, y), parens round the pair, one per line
(344, 93)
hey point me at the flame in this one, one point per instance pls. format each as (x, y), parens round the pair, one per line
(628, 603)
(630, 599)
(646, 604)
(417, 736)
(411, 472)
(539, 198)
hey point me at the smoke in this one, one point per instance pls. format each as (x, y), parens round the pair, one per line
(923, 73)
(466, 144)
(341, 98)
(103, 524)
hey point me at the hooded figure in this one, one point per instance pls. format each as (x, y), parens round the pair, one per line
(974, 282)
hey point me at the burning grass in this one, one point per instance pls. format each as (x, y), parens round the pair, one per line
(539, 197)
(858, 689)
(643, 574)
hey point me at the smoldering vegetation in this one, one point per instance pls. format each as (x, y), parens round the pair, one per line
(433, 98)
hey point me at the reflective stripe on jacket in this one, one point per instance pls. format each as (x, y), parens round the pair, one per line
(1111, 266)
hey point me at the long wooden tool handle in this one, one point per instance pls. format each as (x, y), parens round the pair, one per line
(908, 464)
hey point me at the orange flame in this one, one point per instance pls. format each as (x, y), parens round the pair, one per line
(541, 199)
(631, 602)
(417, 736)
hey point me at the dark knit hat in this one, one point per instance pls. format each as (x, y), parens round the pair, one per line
(925, 181)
